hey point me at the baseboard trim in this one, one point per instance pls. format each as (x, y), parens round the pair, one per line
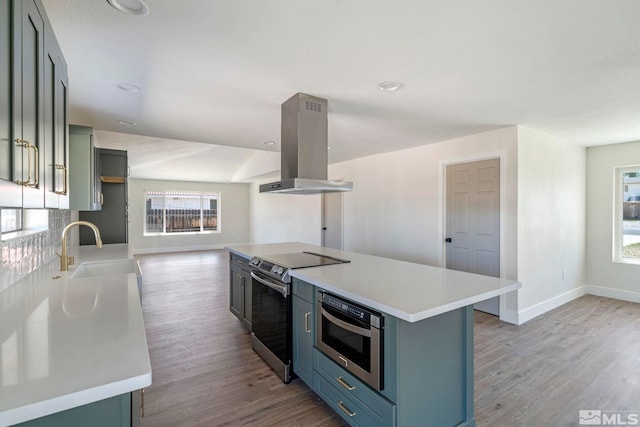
(548, 305)
(190, 248)
(509, 316)
(620, 294)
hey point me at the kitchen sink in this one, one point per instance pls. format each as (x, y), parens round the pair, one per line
(109, 268)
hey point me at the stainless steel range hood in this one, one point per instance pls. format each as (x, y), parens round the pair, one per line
(303, 155)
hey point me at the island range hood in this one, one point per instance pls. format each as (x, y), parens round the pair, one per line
(303, 154)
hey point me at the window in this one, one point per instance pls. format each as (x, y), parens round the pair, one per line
(11, 220)
(627, 215)
(171, 212)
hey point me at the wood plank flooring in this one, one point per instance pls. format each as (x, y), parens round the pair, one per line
(204, 370)
(583, 355)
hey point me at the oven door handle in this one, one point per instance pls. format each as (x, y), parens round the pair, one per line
(345, 325)
(283, 289)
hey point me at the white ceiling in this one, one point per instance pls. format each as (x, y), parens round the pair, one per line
(216, 72)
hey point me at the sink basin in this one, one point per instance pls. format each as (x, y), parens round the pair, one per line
(109, 268)
(104, 268)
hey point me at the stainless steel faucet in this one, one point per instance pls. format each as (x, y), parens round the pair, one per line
(66, 260)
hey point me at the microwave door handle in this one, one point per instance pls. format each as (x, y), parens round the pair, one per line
(344, 325)
(280, 288)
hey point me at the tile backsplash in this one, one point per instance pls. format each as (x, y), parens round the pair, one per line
(23, 255)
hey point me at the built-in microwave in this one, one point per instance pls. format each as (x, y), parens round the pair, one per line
(352, 336)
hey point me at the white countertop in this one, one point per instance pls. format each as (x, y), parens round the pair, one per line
(405, 290)
(70, 341)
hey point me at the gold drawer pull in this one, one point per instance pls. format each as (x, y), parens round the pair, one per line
(345, 409)
(36, 163)
(65, 177)
(27, 146)
(345, 384)
(307, 329)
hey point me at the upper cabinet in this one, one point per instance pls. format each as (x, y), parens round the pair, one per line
(56, 136)
(10, 192)
(85, 186)
(33, 103)
(28, 119)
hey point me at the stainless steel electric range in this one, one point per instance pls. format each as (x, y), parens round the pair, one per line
(271, 305)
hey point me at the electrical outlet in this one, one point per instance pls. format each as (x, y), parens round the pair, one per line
(564, 274)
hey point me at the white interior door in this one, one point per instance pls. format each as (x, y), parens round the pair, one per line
(473, 221)
(332, 220)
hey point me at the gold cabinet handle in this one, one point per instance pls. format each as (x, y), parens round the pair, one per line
(345, 384)
(36, 163)
(346, 410)
(65, 172)
(25, 145)
(307, 329)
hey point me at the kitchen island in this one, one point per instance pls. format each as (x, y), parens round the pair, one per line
(74, 343)
(427, 354)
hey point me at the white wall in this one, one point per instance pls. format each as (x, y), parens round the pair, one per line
(551, 222)
(605, 277)
(396, 209)
(233, 211)
(284, 217)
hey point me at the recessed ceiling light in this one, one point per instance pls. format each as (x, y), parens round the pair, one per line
(126, 123)
(128, 87)
(269, 143)
(130, 7)
(389, 86)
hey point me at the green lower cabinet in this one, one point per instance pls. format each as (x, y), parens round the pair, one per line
(354, 401)
(302, 329)
(112, 412)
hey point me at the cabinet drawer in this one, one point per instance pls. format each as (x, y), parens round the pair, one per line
(353, 387)
(353, 411)
(239, 259)
(303, 289)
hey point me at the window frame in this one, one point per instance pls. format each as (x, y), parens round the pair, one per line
(202, 195)
(618, 214)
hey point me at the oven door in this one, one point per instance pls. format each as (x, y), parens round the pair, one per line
(271, 323)
(351, 343)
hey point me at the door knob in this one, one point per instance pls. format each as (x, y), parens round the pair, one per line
(448, 240)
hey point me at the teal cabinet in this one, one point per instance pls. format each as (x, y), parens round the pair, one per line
(56, 141)
(303, 331)
(28, 119)
(351, 398)
(117, 411)
(10, 192)
(112, 219)
(427, 374)
(240, 290)
(85, 189)
(33, 115)
(429, 369)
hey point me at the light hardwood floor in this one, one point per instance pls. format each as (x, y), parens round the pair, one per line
(583, 355)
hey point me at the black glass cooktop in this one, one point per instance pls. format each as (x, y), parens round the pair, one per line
(302, 259)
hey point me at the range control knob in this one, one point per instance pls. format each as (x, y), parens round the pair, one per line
(280, 270)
